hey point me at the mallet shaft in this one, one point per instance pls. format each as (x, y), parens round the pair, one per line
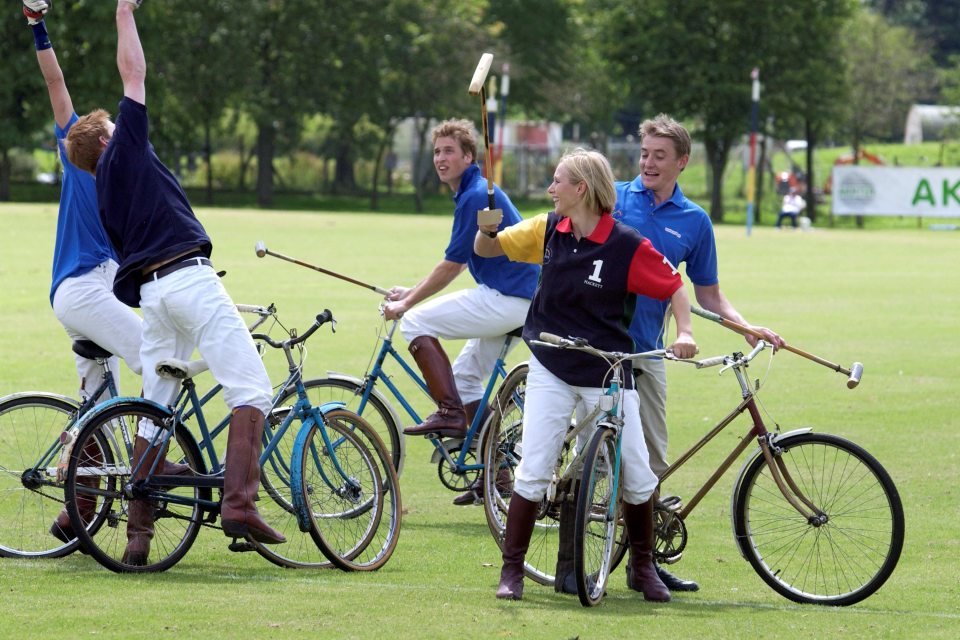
(322, 270)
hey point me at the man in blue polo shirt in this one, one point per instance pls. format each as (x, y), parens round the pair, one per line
(165, 269)
(654, 204)
(483, 315)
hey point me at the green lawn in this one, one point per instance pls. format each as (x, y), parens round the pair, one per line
(890, 299)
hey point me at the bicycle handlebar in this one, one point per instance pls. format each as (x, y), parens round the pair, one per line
(580, 344)
(322, 318)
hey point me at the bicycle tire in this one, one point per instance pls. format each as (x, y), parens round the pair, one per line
(30, 496)
(176, 525)
(376, 413)
(845, 559)
(357, 527)
(597, 517)
(300, 551)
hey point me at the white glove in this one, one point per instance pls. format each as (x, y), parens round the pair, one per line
(34, 10)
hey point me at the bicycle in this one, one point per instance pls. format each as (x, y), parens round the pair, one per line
(587, 475)
(457, 464)
(185, 503)
(31, 461)
(818, 517)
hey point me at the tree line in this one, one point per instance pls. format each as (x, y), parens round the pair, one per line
(271, 77)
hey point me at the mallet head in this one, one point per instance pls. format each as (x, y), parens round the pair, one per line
(480, 75)
(261, 249)
(856, 372)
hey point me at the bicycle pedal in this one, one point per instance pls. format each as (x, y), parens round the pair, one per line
(240, 546)
(670, 503)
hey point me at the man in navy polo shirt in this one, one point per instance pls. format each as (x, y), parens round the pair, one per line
(165, 269)
(654, 204)
(483, 315)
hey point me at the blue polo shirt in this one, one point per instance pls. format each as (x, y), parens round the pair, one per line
(143, 208)
(81, 242)
(679, 229)
(588, 289)
(509, 278)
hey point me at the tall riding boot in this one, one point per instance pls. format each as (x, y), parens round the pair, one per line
(521, 518)
(473, 494)
(238, 513)
(566, 578)
(62, 529)
(450, 419)
(140, 512)
(641, 571)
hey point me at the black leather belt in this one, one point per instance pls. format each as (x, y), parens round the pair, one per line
(167, 269)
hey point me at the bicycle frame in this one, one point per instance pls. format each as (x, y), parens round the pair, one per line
(758, 430)
(377, 375)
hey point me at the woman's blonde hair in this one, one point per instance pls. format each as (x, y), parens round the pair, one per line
(593, 169)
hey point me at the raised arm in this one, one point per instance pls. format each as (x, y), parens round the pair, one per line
(34, 10)
(130, 59)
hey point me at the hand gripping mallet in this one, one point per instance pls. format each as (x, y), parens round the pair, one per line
(477, 87)
(853, 373)
(263, 251)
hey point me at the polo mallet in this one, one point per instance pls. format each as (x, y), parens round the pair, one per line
(853, 373)
(477, 87)
(263, 251)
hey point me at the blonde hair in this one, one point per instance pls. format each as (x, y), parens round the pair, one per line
(593, 169)
(83, 140)
(663, 126)
(460, 130)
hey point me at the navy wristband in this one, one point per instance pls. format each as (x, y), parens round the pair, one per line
(40, 38)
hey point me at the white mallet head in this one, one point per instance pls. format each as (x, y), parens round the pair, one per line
(480, 75)
(261, 249)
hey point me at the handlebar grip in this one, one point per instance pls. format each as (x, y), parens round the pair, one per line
(551, 338)
(252, 308)
(709, 362)
(856, 371)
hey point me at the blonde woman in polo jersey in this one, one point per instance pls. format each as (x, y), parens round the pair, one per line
(592, 268)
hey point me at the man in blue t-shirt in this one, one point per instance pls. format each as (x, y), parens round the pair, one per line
(483, 315)
(84, 262)
(653, 204)
(165, 270)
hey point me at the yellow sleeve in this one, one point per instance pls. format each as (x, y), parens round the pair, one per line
(523, 242)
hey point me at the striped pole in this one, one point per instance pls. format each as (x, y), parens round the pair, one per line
(754, 124)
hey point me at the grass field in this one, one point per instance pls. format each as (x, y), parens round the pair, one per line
(888, 299)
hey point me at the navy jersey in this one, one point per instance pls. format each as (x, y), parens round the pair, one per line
(143, 208)
(588, 289)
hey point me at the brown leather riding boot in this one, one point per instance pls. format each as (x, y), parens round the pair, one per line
(450, 419)
(238, 513)
(140, 512)
(62, 528)
(521, 518)
(641, 572)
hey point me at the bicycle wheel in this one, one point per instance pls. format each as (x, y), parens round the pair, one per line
(355, 515)
(851, 551)
(597, 516)
(97, 473)
(376, 413)
(30, 496)
(300, 551)
(502, 452)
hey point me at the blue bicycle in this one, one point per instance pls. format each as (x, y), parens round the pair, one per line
(350, 464)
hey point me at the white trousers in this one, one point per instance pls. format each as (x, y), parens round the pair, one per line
(189, 309)
(546, 415)
(484, 316)
(652, 388)
(88, 310)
